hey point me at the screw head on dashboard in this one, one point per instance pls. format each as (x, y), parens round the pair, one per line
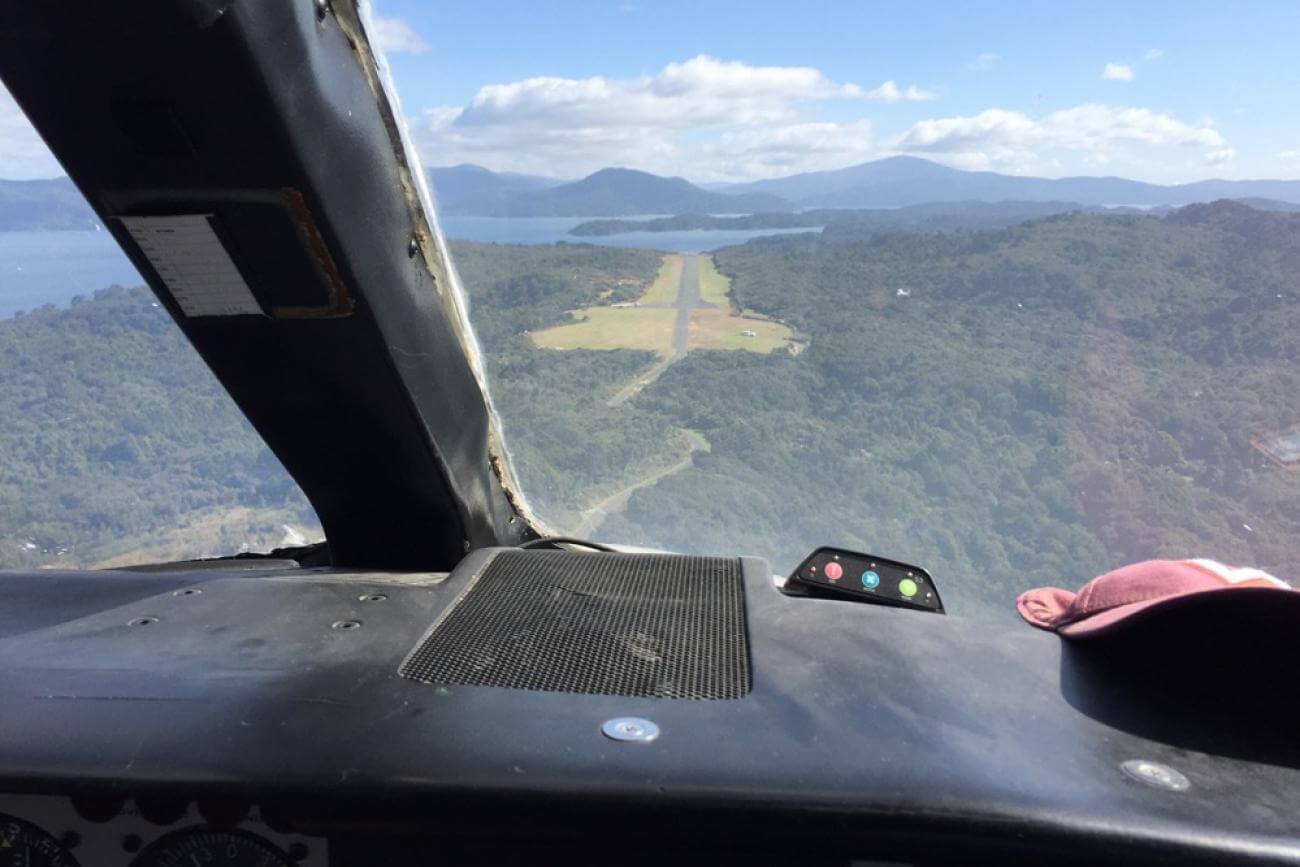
(630, 729)
(1156, 775)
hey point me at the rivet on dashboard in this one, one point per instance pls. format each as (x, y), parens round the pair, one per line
(631, 729)
(346, 624)
(142, 621)
(373, 597)
(1156, 775)
(187, 591)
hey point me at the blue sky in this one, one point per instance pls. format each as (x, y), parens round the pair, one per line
(715, 91)
(1193, 90)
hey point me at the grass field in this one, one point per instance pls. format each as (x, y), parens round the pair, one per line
(713, 286)
(650, 326)
(613, 328)
(663, 291)
(717, 329)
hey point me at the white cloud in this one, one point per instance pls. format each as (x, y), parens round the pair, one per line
(1117, 72)
(23, 155)
(986, 60)
(1093, 133)
(1153, 54)
(891, 92)
(660, 122)
(436, 119)
(951, 133)
(773, 151)
(710, 120)
(396, 36)
(702, 91)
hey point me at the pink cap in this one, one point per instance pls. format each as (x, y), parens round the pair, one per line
(1111, 601)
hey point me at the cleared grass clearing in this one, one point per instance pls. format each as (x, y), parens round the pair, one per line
(718, 329)
(713, 286)
(663, 291)
(613, 328)
(207, 533)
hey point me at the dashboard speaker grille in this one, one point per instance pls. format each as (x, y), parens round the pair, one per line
(647, 625)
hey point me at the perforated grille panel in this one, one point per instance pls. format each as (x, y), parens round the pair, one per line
(614, 624)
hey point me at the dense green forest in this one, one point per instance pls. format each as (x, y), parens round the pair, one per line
(570, 448)
(1014, 407)
(1011, 408)
(120, 446)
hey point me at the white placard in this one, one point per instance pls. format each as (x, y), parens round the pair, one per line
(192, 261)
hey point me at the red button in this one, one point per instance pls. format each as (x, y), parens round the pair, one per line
(834, 571)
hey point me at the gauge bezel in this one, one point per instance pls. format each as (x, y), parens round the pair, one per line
(151, 855)
(60, 856)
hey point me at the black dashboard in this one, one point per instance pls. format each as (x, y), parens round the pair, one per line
(259, 713)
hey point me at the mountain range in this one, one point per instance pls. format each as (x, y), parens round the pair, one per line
(470, 189)
(474, 191)
(901, 181)
(42, 205)
(896, 182)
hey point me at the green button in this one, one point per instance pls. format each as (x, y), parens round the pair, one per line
(907, 587)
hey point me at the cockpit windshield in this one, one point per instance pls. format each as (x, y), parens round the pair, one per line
(1014, 297)
(1010, 307)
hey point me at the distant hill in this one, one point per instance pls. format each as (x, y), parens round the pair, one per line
(466, 188)
(607, 193)
(932, 217)
(897, 182)
(900, 181)
(1269, 205)
(45, 204)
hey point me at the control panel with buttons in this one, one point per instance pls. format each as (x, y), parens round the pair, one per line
(867, 578)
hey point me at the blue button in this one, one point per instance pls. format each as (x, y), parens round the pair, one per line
(870, 580)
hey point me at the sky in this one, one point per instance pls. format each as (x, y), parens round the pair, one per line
(1166, 92)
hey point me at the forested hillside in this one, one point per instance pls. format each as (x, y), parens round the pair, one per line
(569, 446)
(1009, 408)
(117, 445)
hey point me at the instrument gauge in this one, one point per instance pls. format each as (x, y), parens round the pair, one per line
(22, 844)
(211, 847)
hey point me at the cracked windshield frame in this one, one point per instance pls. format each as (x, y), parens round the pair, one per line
(1010, 296)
